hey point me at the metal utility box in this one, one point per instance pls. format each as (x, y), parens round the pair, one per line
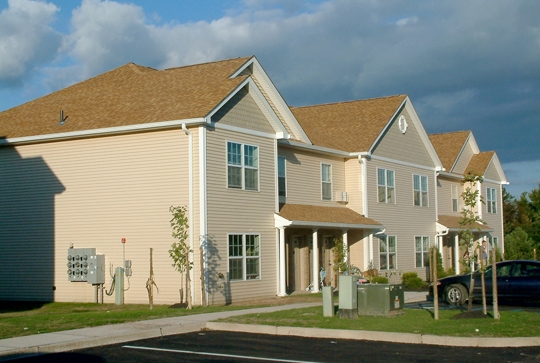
(380, 299)
(78, 263)
(328, 301)
(348, 307)
(96, 269)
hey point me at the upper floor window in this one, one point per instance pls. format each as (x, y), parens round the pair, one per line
(326, 181)
(242, 166)
(422, 251)
(491, 200)
(420, 190)
(385, 184)
(387, 253)
(282, 180)
(455, 198)
(244, 256)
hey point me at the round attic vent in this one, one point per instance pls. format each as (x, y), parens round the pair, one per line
(402, 123)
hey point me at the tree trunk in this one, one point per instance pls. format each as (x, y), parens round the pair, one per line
(496, 314)
(434, 281)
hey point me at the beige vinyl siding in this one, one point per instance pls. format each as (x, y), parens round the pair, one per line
(240, 212)
(101, 190)
(444, 196)
(304, 177)
(493, 220)
(242, 111)
(356, 248)
(353, 182)
(406, 146)
(463, 159)
(491, 173)
(402, 219)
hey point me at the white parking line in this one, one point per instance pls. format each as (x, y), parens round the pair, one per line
(218, 354)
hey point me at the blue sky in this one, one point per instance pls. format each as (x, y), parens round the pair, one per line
(467, 65)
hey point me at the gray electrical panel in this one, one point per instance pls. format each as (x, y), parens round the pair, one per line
(85, 266)
(96, 269)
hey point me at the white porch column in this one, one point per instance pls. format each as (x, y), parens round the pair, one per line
(371, 250)
(346, 246)
(456, 254)
(315, 262)
(282, 290)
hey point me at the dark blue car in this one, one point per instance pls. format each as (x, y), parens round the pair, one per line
(518, 282)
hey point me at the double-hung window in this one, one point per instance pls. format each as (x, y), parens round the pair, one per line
(244, 256)
(421, 248)
(326, 181)
(242, 166)
(420, 190)
(282, 177)
(385, 185)
(491, 200)
(455, 198)
(387, 253)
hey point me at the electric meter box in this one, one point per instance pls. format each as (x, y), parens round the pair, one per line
(96, 269)
(78, 262)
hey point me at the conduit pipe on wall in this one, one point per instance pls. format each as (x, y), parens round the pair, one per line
(190, 189)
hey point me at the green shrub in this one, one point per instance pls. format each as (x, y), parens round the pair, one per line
(412, 281)
(379, 280)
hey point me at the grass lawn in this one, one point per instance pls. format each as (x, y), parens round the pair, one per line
(27, 318)
(512, 323)
(19, 319)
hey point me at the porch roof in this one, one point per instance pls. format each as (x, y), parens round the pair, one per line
(299, 215)
(452, 223)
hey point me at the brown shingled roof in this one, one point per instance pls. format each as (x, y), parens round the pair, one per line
(452, 222)
(448, 146)
(480, 162)
(349, 126)
(127, 95)
(318, 214)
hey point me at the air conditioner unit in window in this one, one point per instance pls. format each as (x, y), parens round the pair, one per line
(342, 197)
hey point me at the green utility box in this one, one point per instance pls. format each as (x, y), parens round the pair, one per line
(348, 307)
(380, 299)
(328, 301)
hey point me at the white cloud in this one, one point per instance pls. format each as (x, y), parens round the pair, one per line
(26, 38)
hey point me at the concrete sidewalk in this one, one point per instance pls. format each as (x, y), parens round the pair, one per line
(121, 333)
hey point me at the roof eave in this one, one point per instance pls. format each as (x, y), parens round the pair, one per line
(153, 126)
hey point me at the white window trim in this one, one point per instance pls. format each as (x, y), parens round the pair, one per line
(387, 253)
(327, 182)
(422, 252)
(455, 188)
(244, 258)
(421, 199)
(284, 176)
(386, 186)
(243, 167)
(491, 202)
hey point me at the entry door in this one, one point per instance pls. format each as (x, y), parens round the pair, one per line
(297, 268)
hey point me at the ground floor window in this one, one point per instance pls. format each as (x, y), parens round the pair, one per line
(422, 251)
(387, 250)
(244, 256)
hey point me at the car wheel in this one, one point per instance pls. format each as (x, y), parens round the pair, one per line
(455, 295)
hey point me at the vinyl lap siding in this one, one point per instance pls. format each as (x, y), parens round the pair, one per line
(394, 143)
(402, 219)
(102, 190)
(463, 160)
(243, 111)
(304, 184)
(240, 211)
(444, 196)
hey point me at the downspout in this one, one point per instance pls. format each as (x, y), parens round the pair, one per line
(190, 188)
(363, 162)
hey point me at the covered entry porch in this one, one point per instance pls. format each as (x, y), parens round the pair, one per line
(453, 254)
(306, 236)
